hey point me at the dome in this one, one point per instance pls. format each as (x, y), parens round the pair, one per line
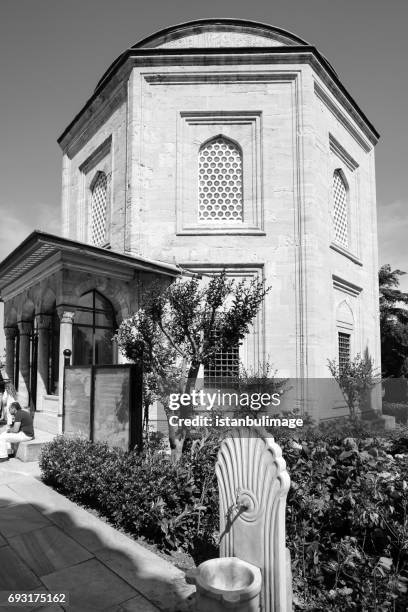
(213, 33)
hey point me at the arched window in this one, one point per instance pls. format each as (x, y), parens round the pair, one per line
(340, 209)
(93, 329)
(98, 209)
(220, 181)
(345, 328)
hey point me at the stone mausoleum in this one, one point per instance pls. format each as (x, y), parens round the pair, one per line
(213, 144)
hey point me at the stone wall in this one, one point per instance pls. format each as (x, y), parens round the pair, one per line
(295, 128)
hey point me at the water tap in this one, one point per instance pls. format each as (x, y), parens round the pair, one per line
(241, 501)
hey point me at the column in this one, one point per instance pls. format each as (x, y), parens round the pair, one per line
(66, 321)
(43, 324)
(25, 328)
(10, 333)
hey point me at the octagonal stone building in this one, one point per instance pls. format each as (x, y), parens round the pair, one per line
(213, 144)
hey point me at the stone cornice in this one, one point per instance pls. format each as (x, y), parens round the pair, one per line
(345, 286)
(118, 74)
(342, 154)
(339, 249)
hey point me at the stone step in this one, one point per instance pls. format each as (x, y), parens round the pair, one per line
(30, 450)
(46, 421)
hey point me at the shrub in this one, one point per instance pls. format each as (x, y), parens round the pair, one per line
(355, 378)
(398, 410)
(347, 523)
(347, 509)
(169, 504)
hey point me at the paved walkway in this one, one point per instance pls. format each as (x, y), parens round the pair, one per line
(49, 544)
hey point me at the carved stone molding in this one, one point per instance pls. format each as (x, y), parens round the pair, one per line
(10, 332)
(66, 316)
(43, 321)
(25, 328)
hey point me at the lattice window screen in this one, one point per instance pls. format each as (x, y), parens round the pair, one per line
(340, 209)
(98, 210)
(344, 350)
(220, 181)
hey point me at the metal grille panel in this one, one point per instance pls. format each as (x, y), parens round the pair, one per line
(340, 209)
(220, 181)
(224, 368)
(98, 214)
(344, 350)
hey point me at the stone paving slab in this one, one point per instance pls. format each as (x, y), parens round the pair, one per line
(161, 583)
(71, 550)
(8, 497)
(14, 574)
(84, 527)
(49, 549)
(91, 586)
(20, 518)
(8, 477)
(136, 604)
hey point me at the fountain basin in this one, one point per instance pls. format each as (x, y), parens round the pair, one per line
(227, 583)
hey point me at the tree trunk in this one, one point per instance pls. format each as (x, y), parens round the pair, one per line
(177, 435)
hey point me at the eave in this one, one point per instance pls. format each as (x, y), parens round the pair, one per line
(218, 56)
(43, 253)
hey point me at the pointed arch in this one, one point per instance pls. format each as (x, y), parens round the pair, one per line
(340, 194)
(93, 330)
(48, 301)
(99, 198)
(344, 314)
(27, 310)
(345, 332)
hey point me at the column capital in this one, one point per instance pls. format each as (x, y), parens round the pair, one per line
(10, 332)
(43, 321)
(66, 314)
(25, 327)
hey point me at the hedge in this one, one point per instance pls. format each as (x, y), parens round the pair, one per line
(347, 509)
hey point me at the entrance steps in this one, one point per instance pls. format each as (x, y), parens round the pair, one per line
(46, 421)
(46, 415)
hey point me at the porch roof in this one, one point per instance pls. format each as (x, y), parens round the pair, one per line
(40, 246)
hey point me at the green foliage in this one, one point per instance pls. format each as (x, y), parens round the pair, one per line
(398, 410)
(262, 379)
(346, 517)
(190, 321)
(171, 505)
(347, 524)
(355, 379)
(393, 323)
(182, 327)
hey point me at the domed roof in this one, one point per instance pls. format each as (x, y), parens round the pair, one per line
(221, 36)
(210, 33)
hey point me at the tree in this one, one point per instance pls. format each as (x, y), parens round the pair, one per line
(355, 378)
(393, 323)
(183, 327)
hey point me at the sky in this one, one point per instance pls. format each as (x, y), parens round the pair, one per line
(52, 54)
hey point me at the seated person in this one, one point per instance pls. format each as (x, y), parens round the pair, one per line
(21, 430)
(7, 399)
